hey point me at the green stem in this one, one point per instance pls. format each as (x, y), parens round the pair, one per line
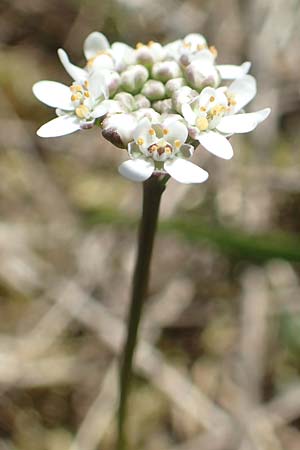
(152, 192)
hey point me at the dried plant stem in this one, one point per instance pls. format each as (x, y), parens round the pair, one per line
(152, 192)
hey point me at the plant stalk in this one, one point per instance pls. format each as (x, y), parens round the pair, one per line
(152, 192)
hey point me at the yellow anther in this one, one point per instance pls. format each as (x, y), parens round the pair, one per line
(212, 99)
(87, 94)
(76, 88)
(200, 47)
(82, 111)
(151, 43)
(177, 143)
(202, 108)
(140, 141)
(165, 131)
(202, 123)
(213, 50)
(76, 96)
(187, 44)
(168, 151)
(152, 132)
(139, 45)
(86, 84)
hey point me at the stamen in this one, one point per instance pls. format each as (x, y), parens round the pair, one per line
(152, 132)
(140, 141)
(153, 148)
(82, 111)
(86, 84)
(212, 99)
(139, 45)
(151, 43)
(202, 108)
(87, 94)
(165, 131)
(202, 123)
(200, 47)
(213, 50)
(177, 143)
(168, 149)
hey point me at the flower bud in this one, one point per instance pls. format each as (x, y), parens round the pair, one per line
(154, 90)
(194, 42)
(133, 78)
(183, 95)
(141, 101)
(118, 129)
(163, 106)
(200, 74)
(113, 81)
(166, 70)
(152, 115)
(126, 100)
(173, 85)
(149, 54)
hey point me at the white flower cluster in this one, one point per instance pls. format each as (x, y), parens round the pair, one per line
(158, 102)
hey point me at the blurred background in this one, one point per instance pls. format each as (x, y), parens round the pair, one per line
(218, 367)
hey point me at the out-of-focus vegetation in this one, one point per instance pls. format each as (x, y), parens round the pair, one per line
(219, 364)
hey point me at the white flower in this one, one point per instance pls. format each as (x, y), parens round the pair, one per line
(100, 55)
(216, 113)
(76, 106)
(161, 148)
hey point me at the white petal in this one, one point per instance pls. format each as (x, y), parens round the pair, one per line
(136, 169)
(59, 127)
(263, 114)
(97, 85)
(242, 123)
(94, 43)
(244, 90)
(53, 94)
(99, 111)
(185, 171)
(216, 144)
(75, 72)
(142, 132)
(123, 55)
(188, 114)
(103, 62)
(176, 131)
(231, 71)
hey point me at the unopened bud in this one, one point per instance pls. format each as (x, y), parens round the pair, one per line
(166, 70)
(163, 106)
(133, 79)
(113, 81)
(126, 100)
(152, 115)
(118, 129)
(200, 75)
(183, 95)
(149, 54)
(194, 42)
(141, 101)
(154, 90)
(173, 85)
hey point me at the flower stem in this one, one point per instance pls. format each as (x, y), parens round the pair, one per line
(152, 192)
